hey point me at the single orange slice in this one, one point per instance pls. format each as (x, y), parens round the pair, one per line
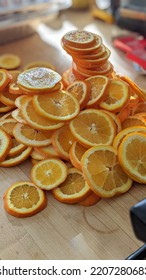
(17, 158)
(81, 90)
(9, 61)
(116, 97)
(49, 173)
(60, 106)
(103, 172)
(74, 189)
(131, 153)
(8, 98)
(5, 144)
(35, 120)
(24, 199)
(16, 148)
(5, 78)
(133, 121)
(38, 78)
(98, 86)
(78, 39)
(92, 127)
(7, 125)
(29, 136)
(75, 154)
(62, 139)
(119, 137)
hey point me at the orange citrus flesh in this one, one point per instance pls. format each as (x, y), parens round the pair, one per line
(24, 199)
(9, 61)
(74, 189)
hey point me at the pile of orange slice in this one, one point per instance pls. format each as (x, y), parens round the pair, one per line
(89, 55)
(83, 139)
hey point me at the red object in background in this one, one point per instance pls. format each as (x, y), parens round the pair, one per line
(138, 54)
(134, 47)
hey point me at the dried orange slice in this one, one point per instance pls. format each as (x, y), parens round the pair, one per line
(92, 199)
(75, 154)
(5, 144)
(5, 78)
(20, 100)
(119, 137)
(14, 89)
(7, 125)
(98, 86)
(49, 173)
(81, 90)
(39, 63)
(62, 139)
(4, 108)
(60, 106)
(133, 121)
(39, 78)
(29, 136)
(78, 38)
(103, 172)
(16, 148)
(131, 153)
(24, 199)
(47, 152)
(68, 77)
(16, 114)
(74, 189)
(8, 98)
(9, 61)
(92, 127)
(117, 96)
(17, 158)
(36, 155)
(35, 120)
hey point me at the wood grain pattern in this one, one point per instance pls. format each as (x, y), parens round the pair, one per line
(61, 231)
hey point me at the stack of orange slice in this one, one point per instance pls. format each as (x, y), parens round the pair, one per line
(89, 54)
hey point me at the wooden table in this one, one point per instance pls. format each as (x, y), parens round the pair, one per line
(63, 231)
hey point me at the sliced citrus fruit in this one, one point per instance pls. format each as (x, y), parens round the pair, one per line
(49, 173)
(132, 156)
(103, 172)
(39, 63)
(124, 113)
(92, 199)
(9, 61)
(8, 125)
(134, 87)
(92, 127)
(104, 69)
(117, 95)
(5, 78)
(116, 120)
(119, 137)
(98, 86)
(8, 98)
(74, 189)
(29, 136)
(133, 121)
(16, 148)
(4, 108)
(20, 101)
(5, 144)
(62, 139)
(75, 154)
(68, 77)
(47, 152)
(16, 159)
(79, 38)
(38, 78)
(16, 114)
(61, 105)
(14, 88)
(24, 199)
(35, 120)
(36, 155)
(81, 90)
